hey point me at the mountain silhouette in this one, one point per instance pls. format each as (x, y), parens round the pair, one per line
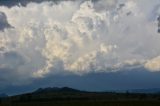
(56, 89)
(66, 96)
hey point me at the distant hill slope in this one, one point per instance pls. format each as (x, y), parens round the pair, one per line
(56, 89)
(66, 96)
(66, 93)
(151, 91)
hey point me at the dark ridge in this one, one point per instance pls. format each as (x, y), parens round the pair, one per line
(147, 91)
(54, 96)
(55, 89)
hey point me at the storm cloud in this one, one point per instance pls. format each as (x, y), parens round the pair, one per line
(3, 21)
(78, 37)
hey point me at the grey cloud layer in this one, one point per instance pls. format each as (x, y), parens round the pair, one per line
(79, 37)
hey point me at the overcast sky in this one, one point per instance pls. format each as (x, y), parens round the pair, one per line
(78, 43)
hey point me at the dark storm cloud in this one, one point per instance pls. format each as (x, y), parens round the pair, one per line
(10, 61)
(124, 80)
(3, 21)
(11, 3)
(13, 58)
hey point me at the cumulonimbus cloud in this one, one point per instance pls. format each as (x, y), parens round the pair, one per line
(80, 37)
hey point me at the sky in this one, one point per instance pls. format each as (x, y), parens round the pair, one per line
(93, 45)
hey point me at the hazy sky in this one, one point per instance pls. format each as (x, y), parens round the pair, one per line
(79, 43)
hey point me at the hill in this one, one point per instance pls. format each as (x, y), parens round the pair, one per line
(151, 91)
(70, 97)
(56, 89)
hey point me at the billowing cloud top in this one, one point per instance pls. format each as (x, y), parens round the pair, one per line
(78, 37)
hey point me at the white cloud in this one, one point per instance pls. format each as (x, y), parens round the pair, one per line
(153, 64)
(81, 37)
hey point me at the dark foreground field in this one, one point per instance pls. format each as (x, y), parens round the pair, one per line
(86, 103)
(72, 97)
